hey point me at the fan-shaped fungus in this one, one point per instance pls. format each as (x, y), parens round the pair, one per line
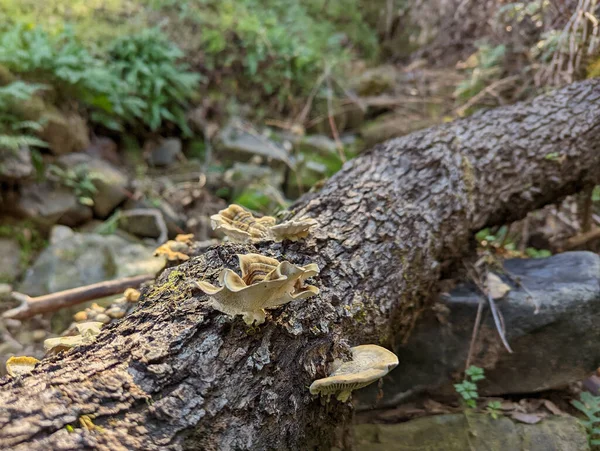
(369, 363)
(87, 334)
(241, 226)
(18, 366)
(265, 283)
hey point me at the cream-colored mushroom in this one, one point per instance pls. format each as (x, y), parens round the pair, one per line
(87, 334)
(173, 250)
(241, 226)
(265, 283)
(292, 230)
(89, 328)
(369, 363)
(20, 365)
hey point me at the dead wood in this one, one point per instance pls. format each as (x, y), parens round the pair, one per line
(177, 375)
(61, 299)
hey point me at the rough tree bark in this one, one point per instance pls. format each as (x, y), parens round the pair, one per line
(177, 375)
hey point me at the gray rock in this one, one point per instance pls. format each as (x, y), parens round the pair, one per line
(59, 233)
(111, 184)
(478, 432)
(64, 132)
(243, 175)
(145, 223)
(5, 294)
(164, 153)
(104, 148)
(319, 144)
(175, 222)
(235, 143)
(375, 81)
(50, 203)
(81, 259)
(10, 260)
(554, 347)
(5, 290)
(15, 165)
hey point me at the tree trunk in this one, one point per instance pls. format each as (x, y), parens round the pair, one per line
(176, 374)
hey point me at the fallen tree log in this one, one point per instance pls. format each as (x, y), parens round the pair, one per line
(176, 374)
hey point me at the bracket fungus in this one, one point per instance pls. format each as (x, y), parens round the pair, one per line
(18, 366)
(87, 333)
(173, 251)
(265, 283)
(369, 363)
(241, 226)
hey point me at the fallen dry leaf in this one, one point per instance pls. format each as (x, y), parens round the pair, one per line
(528, 418)
(497, 289)
(552, 407)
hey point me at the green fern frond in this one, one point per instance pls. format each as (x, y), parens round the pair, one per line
(15, 142)
(27, 125)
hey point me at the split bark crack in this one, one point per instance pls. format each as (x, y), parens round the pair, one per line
(176, 375)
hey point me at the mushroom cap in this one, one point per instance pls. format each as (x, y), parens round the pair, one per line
(19, 365)
(265, 283)
(89, 328)
(369, 363)
(240, 225)
(87, 333)
(185, 238)
(173, 251)
(293, 230)
(63, 343)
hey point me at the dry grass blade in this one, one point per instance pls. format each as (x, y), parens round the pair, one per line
(496, 315)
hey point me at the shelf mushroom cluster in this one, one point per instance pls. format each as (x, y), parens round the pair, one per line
(241, 226)
(369, 363)
(265, 283)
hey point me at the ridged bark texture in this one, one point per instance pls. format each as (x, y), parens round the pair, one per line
(176, 374)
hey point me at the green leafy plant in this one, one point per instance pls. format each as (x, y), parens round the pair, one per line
(596, 194)
(493, 409)
(138, 82)
(268, 52)
(150, 65)
(30, 240)
(16, 132)
(501, 239)
(78, 180)
(59, 59)
(482, 67)
(532, 252)
(589, 405)
(110, 225)
(467, 389)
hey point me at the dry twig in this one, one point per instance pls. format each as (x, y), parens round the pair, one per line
(55, 301)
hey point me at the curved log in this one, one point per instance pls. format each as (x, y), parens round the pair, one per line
(177, 375)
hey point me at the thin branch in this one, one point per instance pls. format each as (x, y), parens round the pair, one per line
(499, 323)
(55, 301)
(581, 239)
(488, 90)
(498, 320)
(474, 334)
(301, 119)
(585, 211)
(524, 234)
